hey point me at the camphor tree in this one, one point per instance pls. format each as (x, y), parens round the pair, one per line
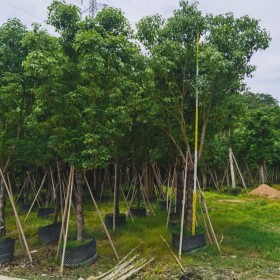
(226, 47)
(15, 100)
(85, 82)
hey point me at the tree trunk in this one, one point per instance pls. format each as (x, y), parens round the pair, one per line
(138, 191)
(262, 175)
(180, 189)
(79, 205)
(189, 201)
(57, 204)
(2, 208)
(148, 180)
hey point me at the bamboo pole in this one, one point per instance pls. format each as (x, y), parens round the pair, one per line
(208, 218)
(129, 212)
(10, 194)
(19, 235)
(67, 202)
(99, 214)
(175, 257)
(26, 179)
(67, 221)
(240, 174)
(42, 183)
(115, 198)
(145, 195)
(33, 187)
(195, 139)
(183, 208)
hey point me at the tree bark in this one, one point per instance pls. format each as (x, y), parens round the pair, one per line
(262, 175)
(79, 205)
(2, 208)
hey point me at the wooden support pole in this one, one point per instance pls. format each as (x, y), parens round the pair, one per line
(183, 208)
(239, 172)
(42, 183)
(68, 218)
(101, 219)
(16, 216)
(175, 257)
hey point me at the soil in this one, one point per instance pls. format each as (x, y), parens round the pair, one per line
(265, 190)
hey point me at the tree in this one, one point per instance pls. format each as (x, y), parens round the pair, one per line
(226, 47)
(14, 99)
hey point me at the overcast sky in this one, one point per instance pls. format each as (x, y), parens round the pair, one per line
(267, 76)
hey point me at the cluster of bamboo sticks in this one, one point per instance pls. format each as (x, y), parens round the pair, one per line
(125, 268)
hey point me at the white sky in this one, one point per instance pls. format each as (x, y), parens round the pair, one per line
(267, 76)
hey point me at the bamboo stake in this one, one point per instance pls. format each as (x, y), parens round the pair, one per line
(60, 189)
(175, 257)
(19, 235)
(133, 271)
(67, 202)
(99, 214)
(129, 212)
(10, 194)
(26, 179)
(120, 262)
(213, 179)
(42, 183)
(118, 269)
(115, 198)
(208, 218)
(145, 195)
(67, 221)
(169, 210)
(33, 186)
(242, 179)
(183, 209)
(53, 184)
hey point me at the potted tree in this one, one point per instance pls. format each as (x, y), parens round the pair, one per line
(7, 245)
(138, 211)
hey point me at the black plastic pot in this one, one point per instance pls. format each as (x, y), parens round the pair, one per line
(103, 198)
(7, 250)
(138, 212)
(45, 212)
(189, 243)
(81, 255)
(24, 208)
(119, 221)
(162, 205)
(49, 233)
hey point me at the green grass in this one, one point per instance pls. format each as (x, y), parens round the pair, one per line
(248, 227)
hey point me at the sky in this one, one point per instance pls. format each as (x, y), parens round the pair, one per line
(267, 76)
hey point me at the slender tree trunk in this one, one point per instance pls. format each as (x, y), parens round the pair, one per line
(57, 204)
(79, 205)
(262, 175)
(2, 208)
(138, 190)
(148, 180)
(179, 197)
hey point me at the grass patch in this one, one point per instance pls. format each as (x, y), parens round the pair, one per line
(248, 226)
